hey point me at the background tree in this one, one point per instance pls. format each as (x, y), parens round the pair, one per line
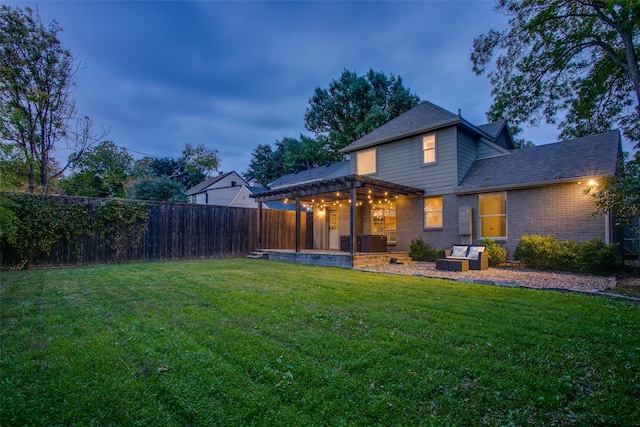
(573, 57)
(290, 155)
(353, 106)
(159, 188)
(265, 165)
(196, 164)
(103, 171)
(37, 112)
(620, 194)
(13, 169)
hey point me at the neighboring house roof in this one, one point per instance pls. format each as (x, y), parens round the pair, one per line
(275, 205)
(199, 188)
(331, 170)
(590, 156)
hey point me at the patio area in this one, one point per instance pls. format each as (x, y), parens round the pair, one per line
(506, 276)
(332, 258)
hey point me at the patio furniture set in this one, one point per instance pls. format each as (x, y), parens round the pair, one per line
(464, 258)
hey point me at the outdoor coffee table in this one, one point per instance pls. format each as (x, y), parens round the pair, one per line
(452, 264)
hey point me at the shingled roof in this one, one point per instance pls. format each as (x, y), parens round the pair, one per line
(198, 188)
(421, 118)
(332, 170)
(494, 128)
(590, 156)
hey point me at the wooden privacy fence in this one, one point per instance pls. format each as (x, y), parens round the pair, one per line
(172, 231)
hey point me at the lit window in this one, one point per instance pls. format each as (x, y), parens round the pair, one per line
(429, 148)
(433, 212)
(383, 220)
(366, 161)
(493, 215)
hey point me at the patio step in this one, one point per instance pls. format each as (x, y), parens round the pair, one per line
(258, 255)
(371, 259)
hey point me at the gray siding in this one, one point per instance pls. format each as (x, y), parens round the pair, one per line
(227, 180)
(400, 162)
(222, 196)
(466, 154)
(502, 140)
(486, 150)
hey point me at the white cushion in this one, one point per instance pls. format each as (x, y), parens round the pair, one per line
(459, 251)
(474, 251)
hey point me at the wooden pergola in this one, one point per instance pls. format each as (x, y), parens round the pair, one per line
(330, 190)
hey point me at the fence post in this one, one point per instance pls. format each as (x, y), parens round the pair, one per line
(297, 224)
(259, 220)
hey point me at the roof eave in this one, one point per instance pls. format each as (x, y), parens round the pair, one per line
(526, 185)
(414, 132)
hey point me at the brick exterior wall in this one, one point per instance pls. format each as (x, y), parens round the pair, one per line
(559, 210)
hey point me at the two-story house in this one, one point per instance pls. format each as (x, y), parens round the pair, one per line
(430, 174)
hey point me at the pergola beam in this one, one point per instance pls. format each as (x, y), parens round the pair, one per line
(335, 185)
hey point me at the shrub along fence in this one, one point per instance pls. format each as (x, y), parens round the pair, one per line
(52, 231)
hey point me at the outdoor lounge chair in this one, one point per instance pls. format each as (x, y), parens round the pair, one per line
(474, 254)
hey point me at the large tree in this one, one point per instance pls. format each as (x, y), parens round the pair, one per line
(37, 112)
(103, 171)
(354, 105)
(573, 61)
(196, 164)
(620, 194)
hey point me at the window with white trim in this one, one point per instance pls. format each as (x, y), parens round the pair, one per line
(492, 213)
(366, 161)
(433, 212)
(429, 149)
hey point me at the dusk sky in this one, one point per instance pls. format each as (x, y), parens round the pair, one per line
(233, 75)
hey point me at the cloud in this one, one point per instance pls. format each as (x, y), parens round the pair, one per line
(233, 75)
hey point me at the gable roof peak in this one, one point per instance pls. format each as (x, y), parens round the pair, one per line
(198, 188)
(421, 118)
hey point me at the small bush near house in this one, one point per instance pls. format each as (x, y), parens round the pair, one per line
(497, 254)
(420, 251)
(596, 257)
(547, 253)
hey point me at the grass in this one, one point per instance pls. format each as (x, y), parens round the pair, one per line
(245, 342)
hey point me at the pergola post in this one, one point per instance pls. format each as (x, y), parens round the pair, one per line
(352, 221)
(297, 224)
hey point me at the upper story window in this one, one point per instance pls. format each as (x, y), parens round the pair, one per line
(233, 183)
(366, 161)
(492, 212)
(433, 212)
(429, 148)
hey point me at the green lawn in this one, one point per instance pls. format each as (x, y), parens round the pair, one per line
(246, 342)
